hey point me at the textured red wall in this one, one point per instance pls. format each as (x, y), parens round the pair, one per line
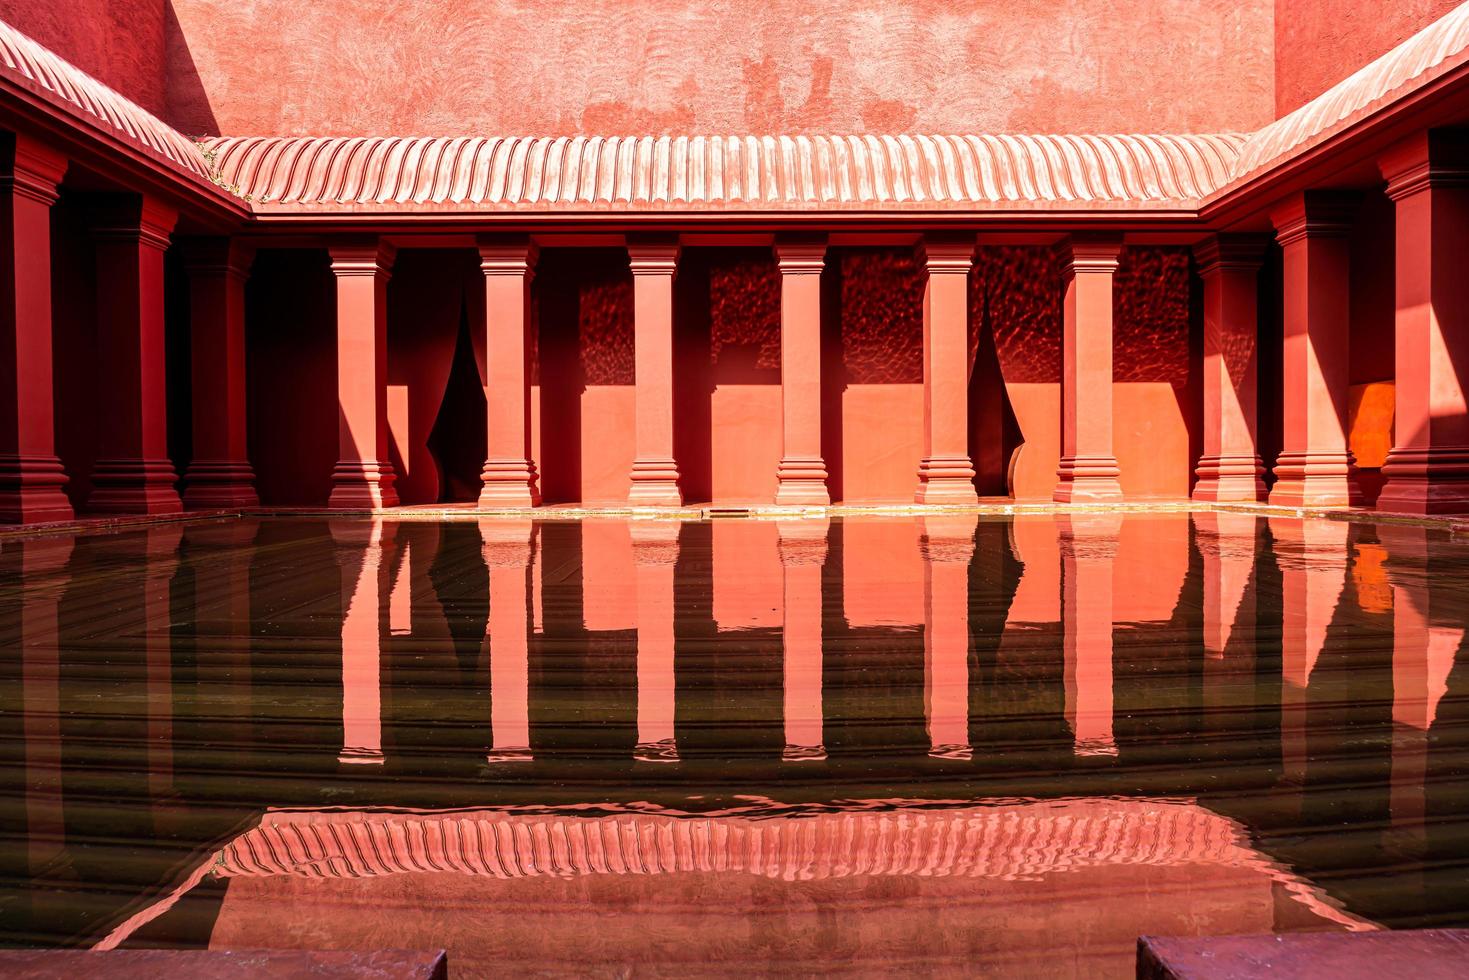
(118, 41)
(640, 66)
(1320, 42)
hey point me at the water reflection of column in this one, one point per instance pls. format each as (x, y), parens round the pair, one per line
(1088, 546)
(220, 553)
(507, 550)
(948, 546)
(1313, 571)
(1422, 657)
(359, 554)
(161, 561)
(655, 553)
(43, 577)
(1226, 543)
(802, 555)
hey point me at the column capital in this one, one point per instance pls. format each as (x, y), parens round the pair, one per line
(653, 256)
(800, 255)
(29, 168)
(362, 257)
(1234, 253)
(946, 253)
(1431, 158)
(226, 256)
(135, 218)
(506, 255)
(1314, 214)
(1090, 252)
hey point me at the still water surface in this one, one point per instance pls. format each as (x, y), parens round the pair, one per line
(608, 747)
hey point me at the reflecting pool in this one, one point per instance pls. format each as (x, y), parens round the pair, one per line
(934, 744)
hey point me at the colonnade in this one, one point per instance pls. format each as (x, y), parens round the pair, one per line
(1427, 471)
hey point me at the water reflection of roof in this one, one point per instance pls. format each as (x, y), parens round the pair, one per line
(1013, 841)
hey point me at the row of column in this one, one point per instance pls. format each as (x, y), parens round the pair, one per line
(132, 472)
(1427, 471)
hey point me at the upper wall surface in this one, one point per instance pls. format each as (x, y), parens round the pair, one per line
(119, 42)
(1320, 42)
(553, 67)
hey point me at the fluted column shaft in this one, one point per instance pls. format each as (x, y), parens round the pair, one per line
(219, 474)
(1315, 467)
(801, 476)
(1088, 470)
(133, 473)
(1230, 468)
(654, 472)
(31, 476)
(946, 474)
(1428, 469)
(363, 477)
(509, 475)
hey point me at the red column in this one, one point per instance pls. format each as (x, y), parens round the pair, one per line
(654, 472)
(360, 556)
(1428, 469)
(1088, 547)
(363, 477)
(948, 547)
(1088, 470)
(133, 473)
(1230, 468)
(655, 554)
(946, 475)
(219, 474)
(1226, 543)
(802, 555)
(1315, 468)
(509, 475)
(31, 477)
(802, 471)
(507, 552)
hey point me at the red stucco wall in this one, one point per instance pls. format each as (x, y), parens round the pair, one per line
(117, 41)
(639, 66)
(1320, 42)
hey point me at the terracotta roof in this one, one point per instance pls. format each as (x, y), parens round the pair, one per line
(28, 64)
(1433, 51)
(744, 173)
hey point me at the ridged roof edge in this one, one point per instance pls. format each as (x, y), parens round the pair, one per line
(1433, 51)
(764, 173)
(48, 74)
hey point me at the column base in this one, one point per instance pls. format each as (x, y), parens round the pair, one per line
(1088, 479)
(31, 490)
(1426, 481)
(946, 480)
(665, 750)
(134, 486)
(509, 483)
(1315, 480)
(803, 753)
(219, 484)
(1230, 478)
(495, 756)
(801, 482)
(361, 757)
(362, 485)
(655, 484)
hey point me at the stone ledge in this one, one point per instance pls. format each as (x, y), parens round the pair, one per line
(150, 964)
(1428, 954)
